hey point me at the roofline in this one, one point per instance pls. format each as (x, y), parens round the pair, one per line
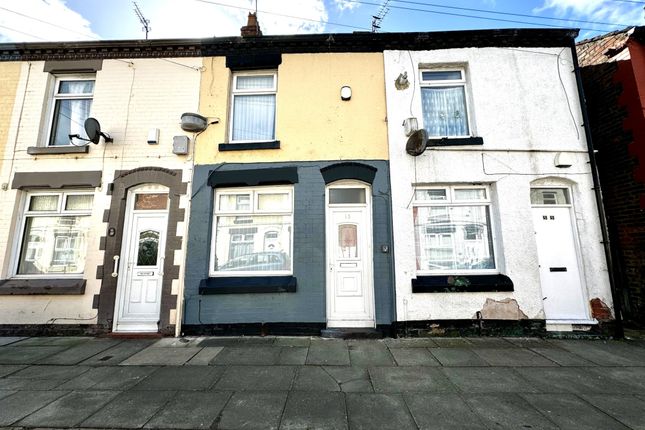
(307, 43)
(628, 30)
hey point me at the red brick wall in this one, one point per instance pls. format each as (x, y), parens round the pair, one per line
(617, 123)
(636, 108)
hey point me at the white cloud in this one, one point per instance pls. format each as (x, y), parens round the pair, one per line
(67, 24)
(608, 11)
(343, 5)
(168, 19)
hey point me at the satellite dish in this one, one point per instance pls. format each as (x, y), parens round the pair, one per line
(93, 132)
(417, 143)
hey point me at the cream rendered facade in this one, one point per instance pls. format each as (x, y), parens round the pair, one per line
(131, 96)
(524, 103)
(311, 122)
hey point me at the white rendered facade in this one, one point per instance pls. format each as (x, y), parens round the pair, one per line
(524, 103)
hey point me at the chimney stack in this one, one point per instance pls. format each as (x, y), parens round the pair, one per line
(252, 27)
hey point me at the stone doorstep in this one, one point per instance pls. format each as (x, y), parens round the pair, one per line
(351, 333)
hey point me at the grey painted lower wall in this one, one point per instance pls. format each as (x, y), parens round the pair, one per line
(307, 304)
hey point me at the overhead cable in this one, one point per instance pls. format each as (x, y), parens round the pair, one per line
(48, 23)
(287, 16)
(476, 16)
(511, 13)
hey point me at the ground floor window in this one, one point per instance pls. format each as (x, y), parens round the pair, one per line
(452, 229)
(252, 231)
(54, 229)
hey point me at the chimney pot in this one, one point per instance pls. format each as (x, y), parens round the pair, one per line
(252, 27)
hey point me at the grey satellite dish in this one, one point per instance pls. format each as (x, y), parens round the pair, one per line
(93, 132)
(417, 143)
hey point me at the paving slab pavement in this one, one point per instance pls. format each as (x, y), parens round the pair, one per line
(8, 340)
(23, 403)
(457, 357)
(414, 357)
(629, 410)
(118, 353)
(568, 411)
(253, 410)
(161, 356)
(190, 410)
(293, 383)
(378, 411)
(314, 410)
(445, 411)
(69, 410)
(130, 409)
(508, 411)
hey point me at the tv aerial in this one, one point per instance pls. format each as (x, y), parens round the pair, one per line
(144, 22)
(376, 19)
(93, 132)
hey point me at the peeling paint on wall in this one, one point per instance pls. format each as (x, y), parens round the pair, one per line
(600, 310)
(506, 309)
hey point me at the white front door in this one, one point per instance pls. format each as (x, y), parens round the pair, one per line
(350, 288)
(559, 270)
(142, 259)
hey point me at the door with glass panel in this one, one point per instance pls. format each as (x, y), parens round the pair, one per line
(350, 287)
(560, 278)
(141, 272)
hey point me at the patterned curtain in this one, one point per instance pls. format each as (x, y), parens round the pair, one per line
(444, 111)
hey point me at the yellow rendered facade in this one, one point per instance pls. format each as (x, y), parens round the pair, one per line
(9, 77)
(312, 122)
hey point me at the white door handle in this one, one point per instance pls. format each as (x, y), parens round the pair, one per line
(161, 266)
(115, 270)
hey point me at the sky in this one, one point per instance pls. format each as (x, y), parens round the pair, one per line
(72, 20)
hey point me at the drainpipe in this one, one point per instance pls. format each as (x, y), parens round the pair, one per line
(615, 293)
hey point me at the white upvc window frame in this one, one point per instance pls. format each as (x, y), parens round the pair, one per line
(430, 83)
(450, 201)
(16, 249)
(253, 193)
(253, 91)
(568, 194)
(347, 185)
(54, 96)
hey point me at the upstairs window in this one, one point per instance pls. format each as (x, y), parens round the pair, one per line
(54, 230)
(443, 98)
(253, 107)
(452, 229)
(71, 105)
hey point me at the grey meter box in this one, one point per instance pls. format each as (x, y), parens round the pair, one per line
(180, 145)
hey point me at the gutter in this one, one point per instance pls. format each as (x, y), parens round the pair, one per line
(611, 271)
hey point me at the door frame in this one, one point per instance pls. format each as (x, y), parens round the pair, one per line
(368, 264)
(128, 221)
(577, 248)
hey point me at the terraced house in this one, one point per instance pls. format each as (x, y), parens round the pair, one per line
(93, 231)
(410, 183)
(496, 204)
(290, 212)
